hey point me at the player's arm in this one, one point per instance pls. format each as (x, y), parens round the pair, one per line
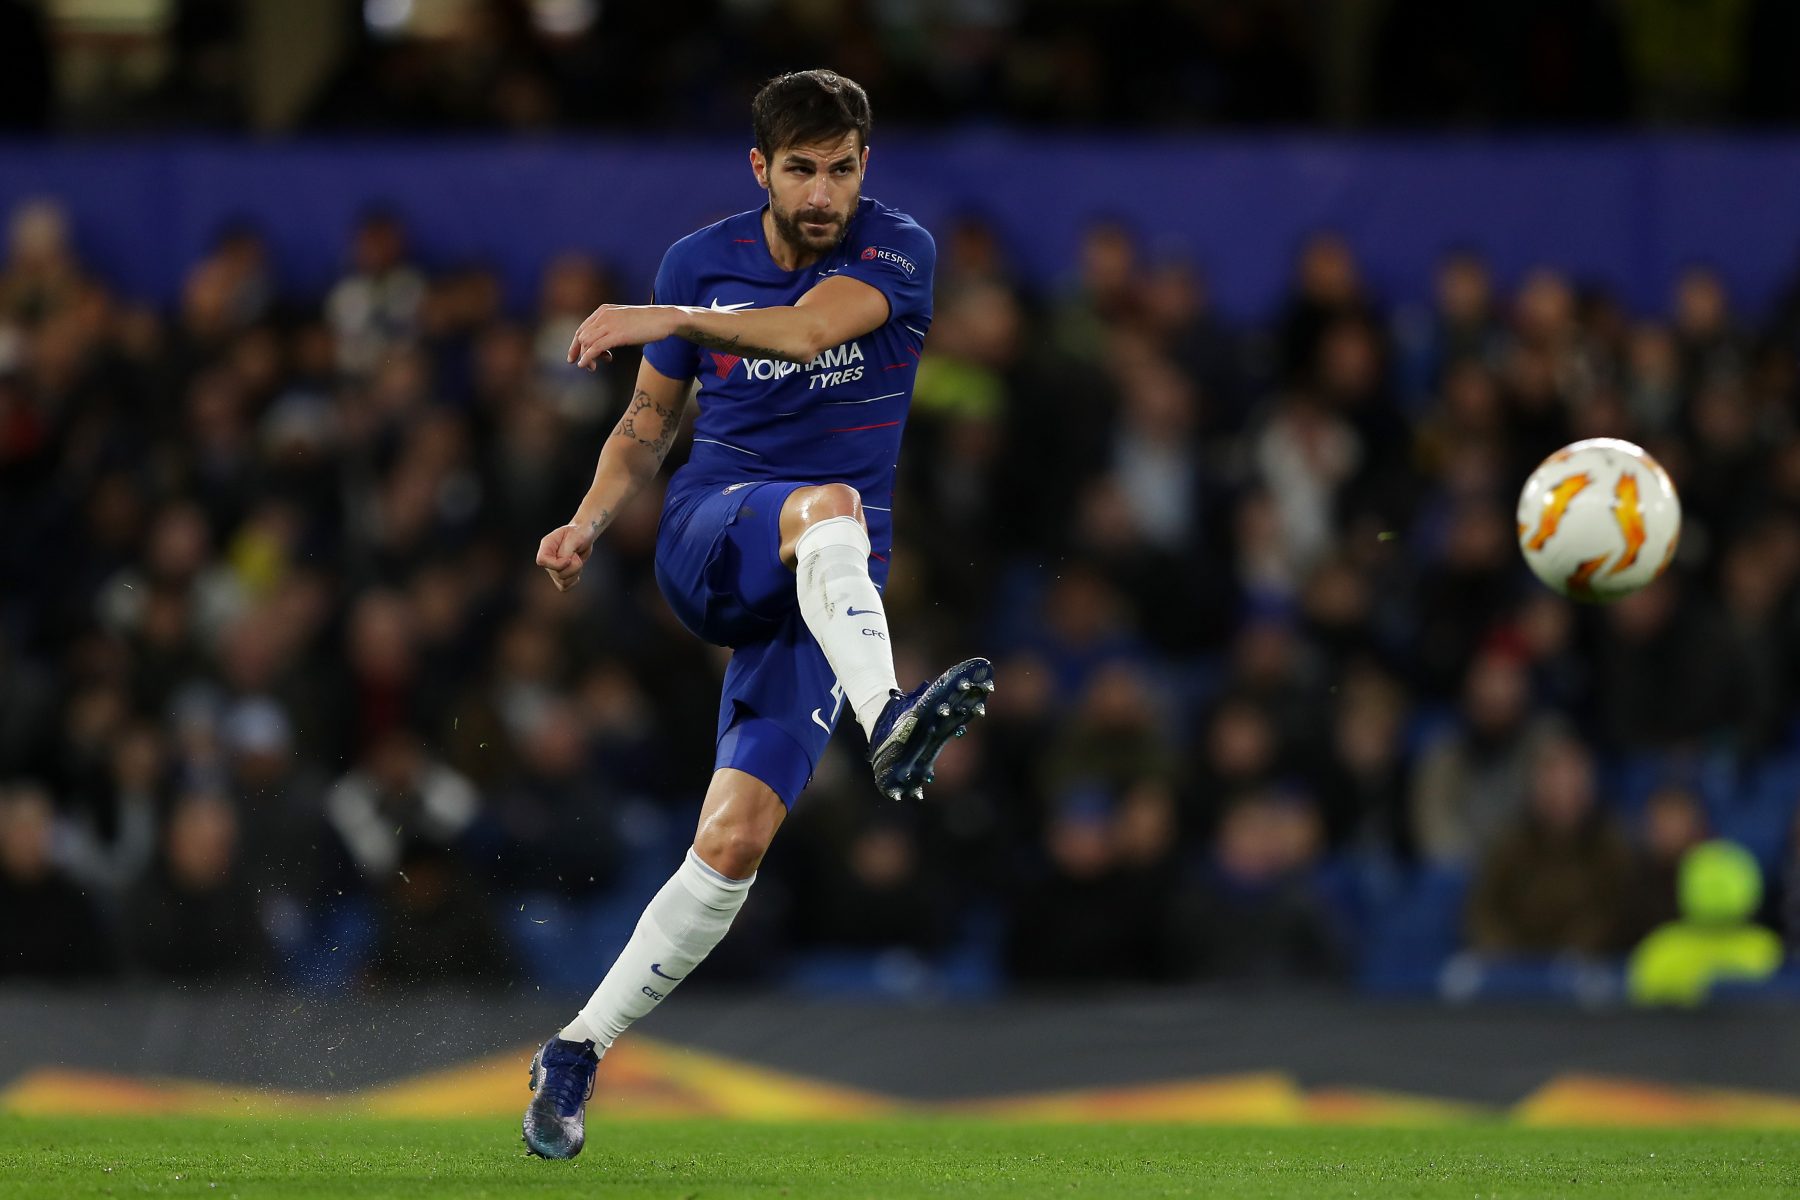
(838, 310)
(630, 458)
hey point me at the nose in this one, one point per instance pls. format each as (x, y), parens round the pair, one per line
(820, 195)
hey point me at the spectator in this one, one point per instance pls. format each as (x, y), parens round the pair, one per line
(1462, 331)
(1467, 418)
(1362, 785)
(381, 693)
(1113, 744)
(1338, 623)
(1086, 624)
(1558, 877)
(42, 275)
(1155, 455)
(432, 927)
(876, 888)
(398, 794)
(1715, 940)
(1327, 288)
(179, 588)
(959, 406)
(1463, 594)
(558, 815)
(1471, 782)
(107, 843)
(194, 919)
(1179, 317)
(1661, 680)
(1095, 910)
(1253, 913)
(1708, 344)
(1105, 296)
(574, 286)
(1673, 823)
(376, 305)
(1654, 387)
(1756, 636)
(255, 545)
(1305, 453)
(52, 929)
(1183, 607)
(1238, 755)
(280, 815)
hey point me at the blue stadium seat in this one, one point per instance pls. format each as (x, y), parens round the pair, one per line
(968, 970)
(1587, 982)
(1782, 988)
(1411, 936)
(339, 949)
(1761, 815)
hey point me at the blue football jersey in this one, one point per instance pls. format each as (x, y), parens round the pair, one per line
(836, 419)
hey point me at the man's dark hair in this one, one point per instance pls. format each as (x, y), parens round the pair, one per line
(803, 107)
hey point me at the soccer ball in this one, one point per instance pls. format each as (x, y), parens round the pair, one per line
(1598, 520)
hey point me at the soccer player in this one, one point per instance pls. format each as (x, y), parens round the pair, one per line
(803, 322)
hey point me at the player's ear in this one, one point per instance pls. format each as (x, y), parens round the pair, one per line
(865, 161)
(759, 168)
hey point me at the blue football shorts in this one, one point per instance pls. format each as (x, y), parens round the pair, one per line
(718, 563)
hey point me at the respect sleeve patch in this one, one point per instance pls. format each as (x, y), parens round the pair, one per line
(892, 257)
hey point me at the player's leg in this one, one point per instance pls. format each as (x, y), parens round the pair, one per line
(679, 928)
(693, 910)
(826, 542)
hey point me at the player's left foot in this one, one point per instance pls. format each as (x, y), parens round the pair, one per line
(562, 1079)
(914, 727)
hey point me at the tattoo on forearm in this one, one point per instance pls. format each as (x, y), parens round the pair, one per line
(649, 424)
(598, 525)
(733, 345)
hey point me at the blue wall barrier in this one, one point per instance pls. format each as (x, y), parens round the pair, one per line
(1630, 212)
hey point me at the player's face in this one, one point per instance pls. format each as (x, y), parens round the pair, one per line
(813, 191)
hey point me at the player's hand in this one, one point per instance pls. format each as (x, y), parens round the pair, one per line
(563, 553)
(618, 325)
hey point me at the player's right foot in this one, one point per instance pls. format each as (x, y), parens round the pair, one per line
(562, 1079)
(914, 727)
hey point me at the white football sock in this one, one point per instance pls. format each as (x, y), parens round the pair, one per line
(839, 602)
(681, 925)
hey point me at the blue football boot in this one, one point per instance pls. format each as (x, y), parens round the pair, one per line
(562, 1080)
(913, 728)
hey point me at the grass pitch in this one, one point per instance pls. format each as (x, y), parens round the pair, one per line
(884, 1160)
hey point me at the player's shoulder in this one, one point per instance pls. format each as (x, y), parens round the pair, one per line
(887, 235)
(880, 220)
(722, 236)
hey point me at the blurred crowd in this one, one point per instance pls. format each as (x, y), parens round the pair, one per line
(686, 64)
(285, 698)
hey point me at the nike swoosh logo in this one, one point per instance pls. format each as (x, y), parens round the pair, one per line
(656, 969)
(717, 307)
(857, 612)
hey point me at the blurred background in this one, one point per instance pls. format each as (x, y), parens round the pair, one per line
(1252, 317)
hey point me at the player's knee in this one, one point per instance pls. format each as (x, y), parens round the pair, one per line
(833, 500)
(734, 849)
(733, 840)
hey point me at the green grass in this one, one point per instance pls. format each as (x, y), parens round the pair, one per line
(887, 1160)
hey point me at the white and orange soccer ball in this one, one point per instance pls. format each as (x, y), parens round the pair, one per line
(1598, 520)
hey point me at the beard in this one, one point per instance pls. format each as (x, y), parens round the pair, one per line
(792, 230)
